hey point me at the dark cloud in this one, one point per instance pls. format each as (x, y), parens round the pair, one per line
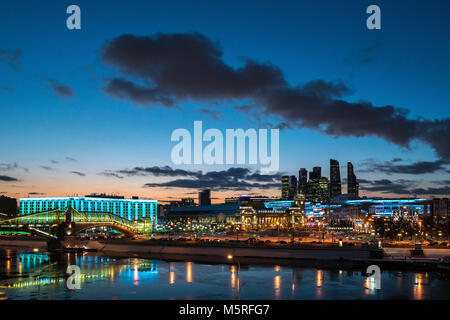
(81, 174)
(404, 187)
(110, 174)
(165, 171)
(54, 161)
(7, 178)
(387, 186)
(212, 113)
(420, 167)
(11, 57)
(11, 167)
(60, 89)
(8, 166)
(124, 89)
(432, 191)
(7, 89)
(71, 159)
(47, 168)
(231, 179)
(365, 55)
(35, 193)
(173, 67)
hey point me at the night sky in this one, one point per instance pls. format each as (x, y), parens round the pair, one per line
(92, 110)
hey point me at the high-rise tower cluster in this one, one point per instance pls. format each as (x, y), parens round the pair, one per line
(318, 188)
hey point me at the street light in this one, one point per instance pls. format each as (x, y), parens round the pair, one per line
(278, 228)
(230, 257)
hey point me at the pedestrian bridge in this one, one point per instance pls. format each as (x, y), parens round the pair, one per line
(72, 222)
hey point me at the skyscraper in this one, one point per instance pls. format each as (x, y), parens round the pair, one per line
(288, 187)
(352, 185)
(335, 179)
(302, 180)
(204, 197)
(292, 187)
(316, 173)
(285, 187)
(318, 190)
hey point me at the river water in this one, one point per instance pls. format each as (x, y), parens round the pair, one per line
(33, 274)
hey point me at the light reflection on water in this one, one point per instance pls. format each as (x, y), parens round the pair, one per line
(33, 275)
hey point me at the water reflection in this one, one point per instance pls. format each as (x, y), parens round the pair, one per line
(319, 278)
(136, 272)
(189, 276)
(420, 280)
(233, 276)
(29, 275)
(319, 283)
(277, 284)
(171, 273)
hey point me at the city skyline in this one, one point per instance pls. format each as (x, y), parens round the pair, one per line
(80, 118)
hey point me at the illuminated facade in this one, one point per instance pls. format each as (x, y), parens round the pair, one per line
(285, 187)
(282, 214)
(131, 209)
(335, 179)
(391, 207)
(318, 190)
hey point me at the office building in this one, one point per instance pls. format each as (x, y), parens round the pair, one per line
(318, 190)
(352, 184)
(292, 187)
(335, 179)
(302, 181)
(316, 173)
(285, 184)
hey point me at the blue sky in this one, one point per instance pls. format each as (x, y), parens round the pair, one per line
(405, 64)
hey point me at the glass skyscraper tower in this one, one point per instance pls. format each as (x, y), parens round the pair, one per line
(335, 179)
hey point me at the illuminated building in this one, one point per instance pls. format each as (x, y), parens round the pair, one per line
(285, 187)
(259, 215)
(302, 180)
(440, 207)
(288, 187)
(352, 184)
(184, 202)
(317, 190)
(292, 187)
(335, 179)
(391, 207)
(131, 209)
(250, 200)
(214, 213)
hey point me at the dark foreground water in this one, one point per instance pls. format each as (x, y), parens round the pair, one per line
(25, 274)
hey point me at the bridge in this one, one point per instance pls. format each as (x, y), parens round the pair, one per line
(57, 224)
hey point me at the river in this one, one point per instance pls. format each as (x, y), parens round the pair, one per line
(34, 274)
